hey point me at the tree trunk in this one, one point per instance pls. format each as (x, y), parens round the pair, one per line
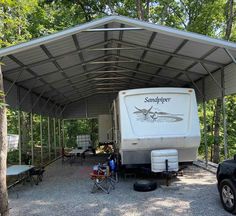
(229, 15)
(143, 12)
(4, 211)
(140, 9)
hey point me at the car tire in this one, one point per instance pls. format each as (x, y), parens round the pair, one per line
(145, 185)
(228, 195)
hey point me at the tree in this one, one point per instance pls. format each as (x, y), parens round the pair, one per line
(230, 14)
(3, 152)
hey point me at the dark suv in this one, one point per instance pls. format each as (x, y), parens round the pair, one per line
(226, 176)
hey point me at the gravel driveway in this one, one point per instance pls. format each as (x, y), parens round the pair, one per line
(65, 190)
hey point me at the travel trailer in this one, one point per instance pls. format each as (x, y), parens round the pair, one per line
(154, 119)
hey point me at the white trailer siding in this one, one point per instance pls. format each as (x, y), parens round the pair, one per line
(158, 118)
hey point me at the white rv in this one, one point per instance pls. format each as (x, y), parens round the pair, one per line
(156, 118)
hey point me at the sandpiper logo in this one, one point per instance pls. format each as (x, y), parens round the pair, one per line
(156, 100)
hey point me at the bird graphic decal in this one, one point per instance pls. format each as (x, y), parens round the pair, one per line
(158, 116)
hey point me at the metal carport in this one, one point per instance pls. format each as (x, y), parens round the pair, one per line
(77, 72)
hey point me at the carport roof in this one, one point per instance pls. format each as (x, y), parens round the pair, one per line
(112, 54)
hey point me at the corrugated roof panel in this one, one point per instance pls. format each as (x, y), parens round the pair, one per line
(44, 88)
(230, 79)
(66, 89)
(211, 68)
(132, 53)
(53, 77)
(60, 84)
(24, 75)
(88, 56)
(94, 66)
(148, 68)
(212, 90)
(165, 42)
(33, 84)
(62, 46)
(8, 64)
(179, 63)
(198, 68)
(194, 49)
(44, 68)
(130, 65)
(168, 73)
(31, 56)
(86, 39)
(192, 76)
(141, 37)
(156, 58)
(69, 61)
(75, 70)
(219, 56)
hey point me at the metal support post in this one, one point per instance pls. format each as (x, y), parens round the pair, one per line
(63, 133)
(54, 134)
(19, 132)
(41, 138)
(49, 140)
(204, 122)
(224, 114)
(59, 132)
(32, 137)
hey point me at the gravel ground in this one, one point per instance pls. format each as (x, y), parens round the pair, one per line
(66, 190)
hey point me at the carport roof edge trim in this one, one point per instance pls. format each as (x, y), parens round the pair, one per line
(125, 20)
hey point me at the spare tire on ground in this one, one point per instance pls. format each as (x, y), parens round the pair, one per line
(145, 185)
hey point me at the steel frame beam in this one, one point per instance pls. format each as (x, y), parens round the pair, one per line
(160, 66)
(202, 58)
(17, 61)
(72, 77)
(41, 139)
(16, 70)
(50, 56)
(13, 83)
(170, 57)
(32, 136)
(230, 55)
(113, 29)
(20, 138)
(204, 122)
(49, 139)
(224, 114)
(212, 77)
(143, 55)
(198, 60)
(54, 136)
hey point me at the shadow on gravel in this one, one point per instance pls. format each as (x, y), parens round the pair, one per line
(65, 190)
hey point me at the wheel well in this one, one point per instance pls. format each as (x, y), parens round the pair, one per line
(222, 177)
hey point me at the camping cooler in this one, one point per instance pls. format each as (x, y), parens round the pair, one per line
(159, 157)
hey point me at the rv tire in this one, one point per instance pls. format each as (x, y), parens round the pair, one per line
(145, 185)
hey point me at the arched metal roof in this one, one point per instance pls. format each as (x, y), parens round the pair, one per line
(108, 55)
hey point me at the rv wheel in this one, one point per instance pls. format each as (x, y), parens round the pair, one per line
(145, 185)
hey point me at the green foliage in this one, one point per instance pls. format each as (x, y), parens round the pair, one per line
(78, 127)
(13, 157)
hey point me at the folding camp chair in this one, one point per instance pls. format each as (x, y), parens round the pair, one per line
(102, 182)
